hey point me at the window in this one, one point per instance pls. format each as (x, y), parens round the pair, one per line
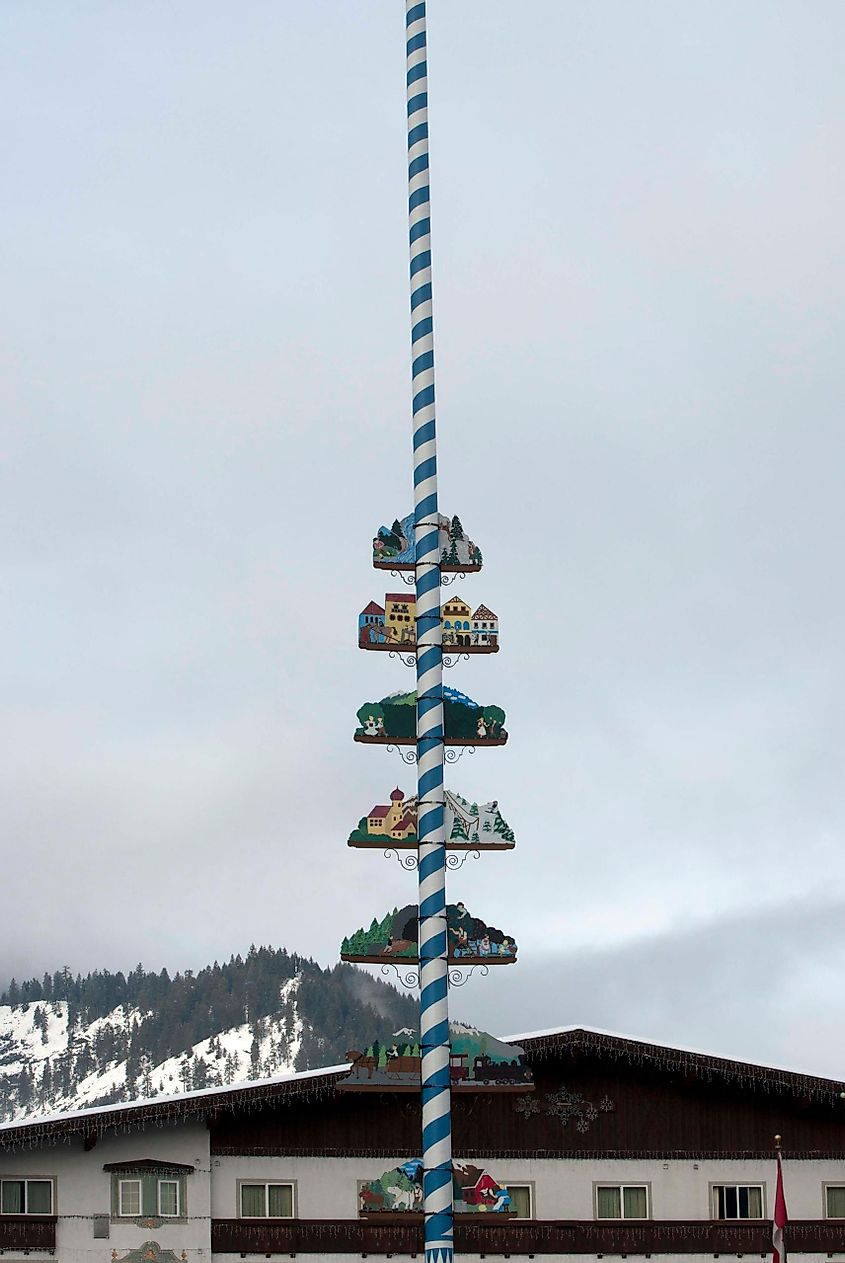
(158, 1191)
(26, 1197)
(168, 1198)
(129, 1197)
(737, 1201)
(622, 1201)
(834, 1201)
(266, 1201)
(522, 1200)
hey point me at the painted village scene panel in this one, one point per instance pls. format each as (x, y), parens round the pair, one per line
(394, 626)
(400, 1191)
(393, 546)
(468, 826)
(393, 720)
(396, 937)
(477, 1062)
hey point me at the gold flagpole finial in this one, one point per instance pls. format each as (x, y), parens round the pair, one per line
(778, 1139)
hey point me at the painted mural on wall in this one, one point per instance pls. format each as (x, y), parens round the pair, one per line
(393, 625)
(393, 719)
(393, 547)
(471, 940)
(400, 1191)
(469, 826)
(477, 1062)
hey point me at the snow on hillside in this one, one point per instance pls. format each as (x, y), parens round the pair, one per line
(46, 1067)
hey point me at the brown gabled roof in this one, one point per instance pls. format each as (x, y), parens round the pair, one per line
(705, 1065)
(483, 612)
(372, 608)
(99, 1120)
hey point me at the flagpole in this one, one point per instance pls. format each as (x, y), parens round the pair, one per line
(433, 944)
(779, 1216)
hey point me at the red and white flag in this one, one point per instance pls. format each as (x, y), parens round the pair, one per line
(780, 1220)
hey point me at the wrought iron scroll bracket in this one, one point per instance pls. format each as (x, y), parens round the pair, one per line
(407, 860)
(446, 579)
(457, 859)
(406, 977)
(453, 753)
(452, 659)
(407, 756)
(409, 579)
(409, 659)
(460, 976)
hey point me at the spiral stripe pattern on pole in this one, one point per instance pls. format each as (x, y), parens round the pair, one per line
(433, 945)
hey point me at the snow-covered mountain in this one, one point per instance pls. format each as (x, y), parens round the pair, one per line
(74, 1048)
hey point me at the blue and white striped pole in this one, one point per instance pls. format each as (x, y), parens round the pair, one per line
(434, 965)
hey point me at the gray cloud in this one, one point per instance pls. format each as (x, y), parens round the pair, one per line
(204, 399)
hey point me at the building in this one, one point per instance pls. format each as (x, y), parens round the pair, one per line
(371, 625)
(456, 617)
(625, 1148)
(396, 821)
(400, 617)
(485, 627)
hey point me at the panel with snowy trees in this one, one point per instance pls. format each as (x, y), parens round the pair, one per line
(393, 546)
(393, 720)
(469, 826)
(394, 625)
(471, 941)
(477, 1062)
(400, 1191)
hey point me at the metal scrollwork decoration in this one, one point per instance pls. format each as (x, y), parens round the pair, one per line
(452, 659)
(408, 579)
(407, 977)
(447, 579)
(407, 859)
(407, 756)
(453, 753)
(459, 977)
(408, 659)
(457, 859)
(565, 1106)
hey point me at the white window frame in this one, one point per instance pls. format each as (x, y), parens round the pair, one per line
(31, 1179)
(622, 1185)
(291, 1184)
(529, 1184)
(168, 1179)
(733, 1219)
(130, 1214)
(837, 1219)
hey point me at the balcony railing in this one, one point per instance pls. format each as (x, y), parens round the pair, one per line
(27, 1232)
(523, 1236)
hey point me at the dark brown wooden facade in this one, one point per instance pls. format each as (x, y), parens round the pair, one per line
(522, 1237)
(27, 1232)
(642, 1108)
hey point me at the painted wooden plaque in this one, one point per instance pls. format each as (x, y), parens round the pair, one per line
(471, 941)
(386, 628)
(393, 546)
(399, 1192)
(469, 826)
(478, 1062)
(393, 721)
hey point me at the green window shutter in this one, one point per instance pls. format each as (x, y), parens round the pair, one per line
(149, 1195)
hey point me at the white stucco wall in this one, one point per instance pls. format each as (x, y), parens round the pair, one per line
(327, 1187)
(82, 1189)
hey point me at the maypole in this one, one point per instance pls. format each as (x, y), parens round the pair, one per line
(433, 938)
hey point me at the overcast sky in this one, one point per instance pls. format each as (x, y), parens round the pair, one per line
(205, 406)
